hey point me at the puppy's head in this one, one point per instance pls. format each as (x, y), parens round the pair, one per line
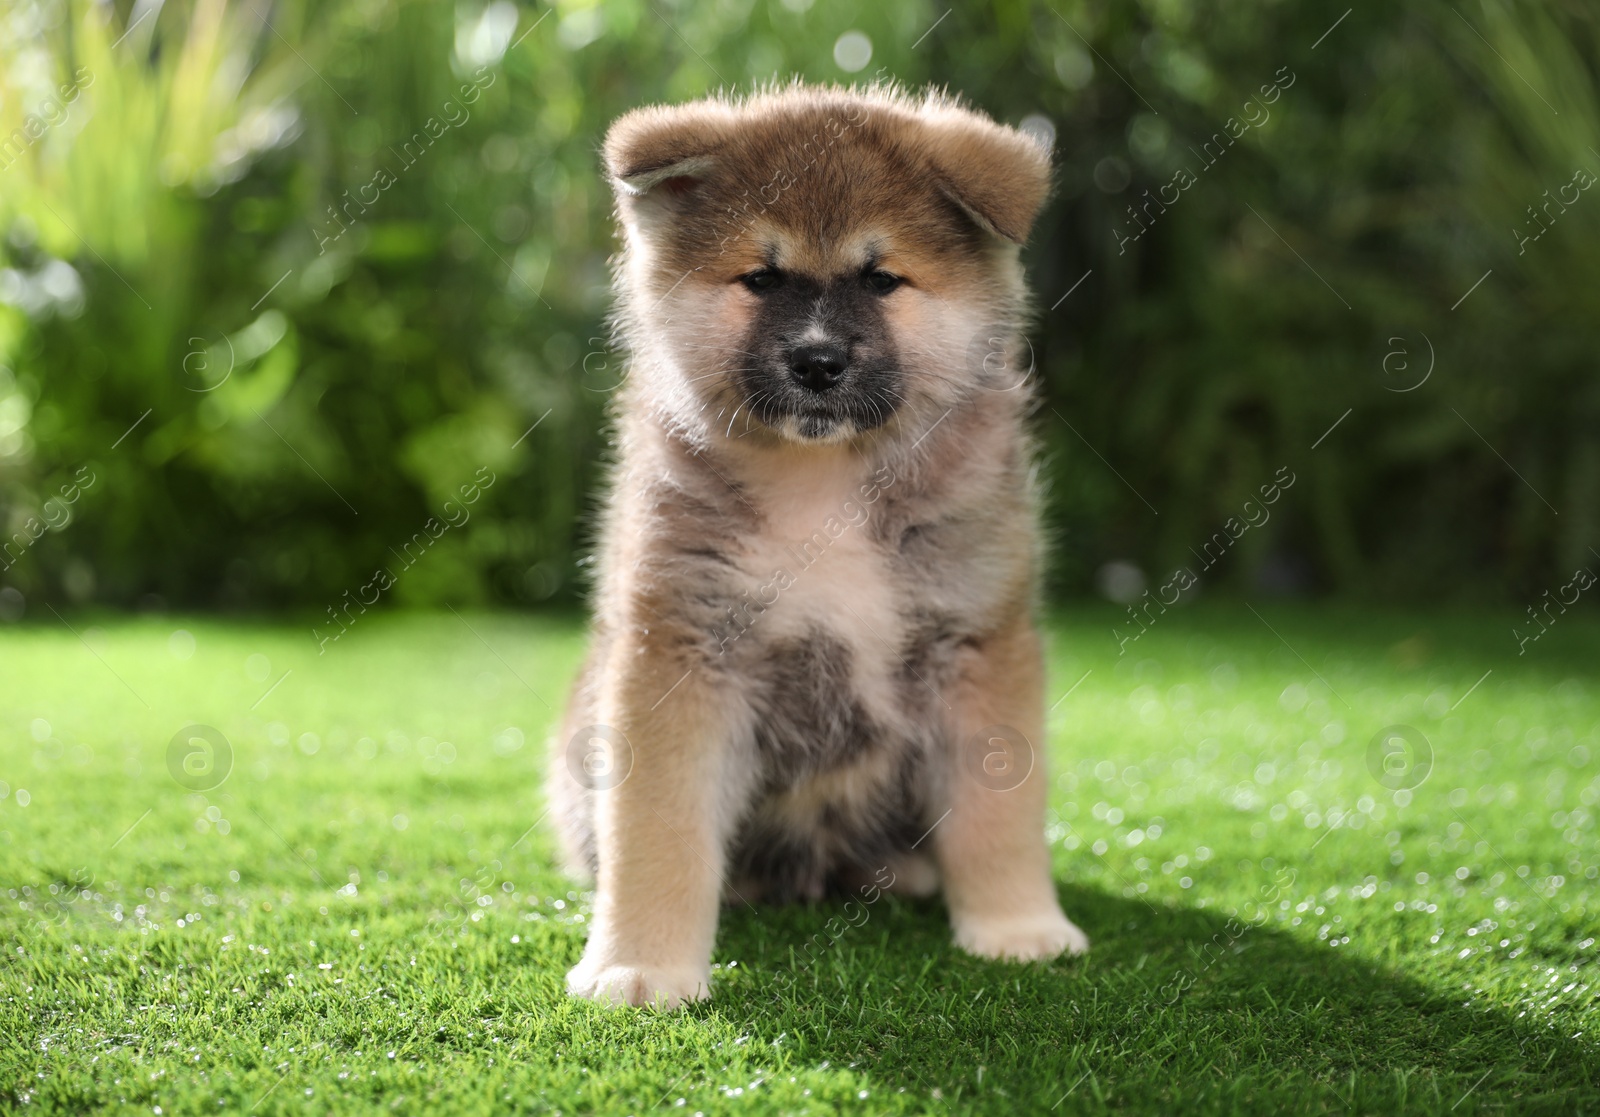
(814, 265)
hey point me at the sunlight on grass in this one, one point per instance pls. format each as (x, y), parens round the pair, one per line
(365, 909)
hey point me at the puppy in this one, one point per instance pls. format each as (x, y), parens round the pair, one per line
(813, 659)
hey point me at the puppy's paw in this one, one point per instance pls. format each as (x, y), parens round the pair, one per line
(1020, 938)
(639, 986)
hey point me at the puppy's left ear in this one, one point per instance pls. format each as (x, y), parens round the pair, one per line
(998, 175)
(665, 151)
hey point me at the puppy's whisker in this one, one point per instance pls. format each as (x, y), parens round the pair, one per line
(719, 372)
(760, 398)
(725, 349)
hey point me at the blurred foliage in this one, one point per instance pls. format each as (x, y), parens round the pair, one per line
(278, 279)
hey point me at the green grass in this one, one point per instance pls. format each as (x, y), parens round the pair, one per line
(360, 916)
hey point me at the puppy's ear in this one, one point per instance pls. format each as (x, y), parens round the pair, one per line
(998, 175)
(666, 151)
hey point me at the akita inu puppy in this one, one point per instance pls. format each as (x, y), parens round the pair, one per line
(814, 661)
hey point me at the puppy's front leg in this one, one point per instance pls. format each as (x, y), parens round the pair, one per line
(659, 834)
(991, 848)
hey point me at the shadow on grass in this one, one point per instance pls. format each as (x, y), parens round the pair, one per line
(1151, 1021)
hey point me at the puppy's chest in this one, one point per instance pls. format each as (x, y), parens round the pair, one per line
(819, 572)
(818, 647)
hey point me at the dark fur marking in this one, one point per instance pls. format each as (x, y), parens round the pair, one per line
(808, 716)
(913, 536)
(851, 316)
(793, 864)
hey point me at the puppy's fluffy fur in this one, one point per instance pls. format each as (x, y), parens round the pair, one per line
(813, 659)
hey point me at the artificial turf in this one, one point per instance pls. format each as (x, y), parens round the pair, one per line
(366, 914)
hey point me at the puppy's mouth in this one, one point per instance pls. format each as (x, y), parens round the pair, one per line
(839, 414)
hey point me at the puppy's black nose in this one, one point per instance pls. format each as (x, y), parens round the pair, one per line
(818, 367)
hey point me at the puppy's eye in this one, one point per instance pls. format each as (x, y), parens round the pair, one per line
(881, 281)
(762, 281)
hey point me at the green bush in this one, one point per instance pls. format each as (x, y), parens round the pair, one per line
(282, 289)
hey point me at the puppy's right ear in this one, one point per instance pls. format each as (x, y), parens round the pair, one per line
(663, 152)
